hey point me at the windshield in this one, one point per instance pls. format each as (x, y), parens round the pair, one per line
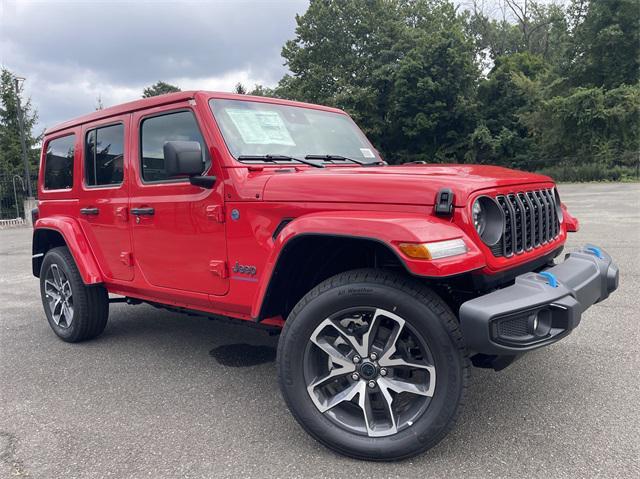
(253, 130)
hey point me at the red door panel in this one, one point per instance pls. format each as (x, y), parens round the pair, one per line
(175, 236)
(104, 195)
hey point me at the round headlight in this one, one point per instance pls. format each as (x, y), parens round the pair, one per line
(488, 219)
(556, 197)
(479, 218)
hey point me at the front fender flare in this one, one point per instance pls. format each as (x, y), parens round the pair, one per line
(388, 228)
(77, 243)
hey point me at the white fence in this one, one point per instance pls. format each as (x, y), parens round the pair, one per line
(11, 223)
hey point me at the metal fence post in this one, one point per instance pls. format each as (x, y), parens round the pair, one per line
(15, 194)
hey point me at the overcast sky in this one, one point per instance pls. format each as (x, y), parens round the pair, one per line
(70, 52)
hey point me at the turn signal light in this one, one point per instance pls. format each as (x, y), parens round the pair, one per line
(435, 250)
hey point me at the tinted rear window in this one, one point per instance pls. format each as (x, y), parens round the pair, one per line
(104, 155)
(58, 163)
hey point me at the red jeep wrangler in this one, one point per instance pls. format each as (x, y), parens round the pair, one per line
(388, 281)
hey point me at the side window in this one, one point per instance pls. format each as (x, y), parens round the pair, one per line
(58, 163)
(104, 156)
(156, 131)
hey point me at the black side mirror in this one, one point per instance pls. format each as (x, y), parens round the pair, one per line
(183, 158)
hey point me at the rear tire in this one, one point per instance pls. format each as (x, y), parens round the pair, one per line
(75, 311)
(386, 338)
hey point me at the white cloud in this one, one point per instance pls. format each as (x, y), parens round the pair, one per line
(72, 52)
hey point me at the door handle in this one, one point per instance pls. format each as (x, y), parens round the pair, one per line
(89, 211)
(142, 211)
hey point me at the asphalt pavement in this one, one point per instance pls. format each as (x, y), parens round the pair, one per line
(165, 395)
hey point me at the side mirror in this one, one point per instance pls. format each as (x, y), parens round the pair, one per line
(183, 158)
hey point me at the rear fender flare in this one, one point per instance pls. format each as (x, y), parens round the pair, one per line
(75, 240)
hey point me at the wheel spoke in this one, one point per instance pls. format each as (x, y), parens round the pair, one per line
(66, 289)
(364, 401)
(329, 348)
(57, 278)
(334, 373)
(401, 363)
(390, 346)
(67, 312)
(50, 284)
(335, 356)
(369, 336)
(53, 294)
(56, 310)
(399, 386)
(388, 400)
(346, 394)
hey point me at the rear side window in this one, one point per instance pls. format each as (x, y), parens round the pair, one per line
(58, 163)
(156, 131)
(104, 156)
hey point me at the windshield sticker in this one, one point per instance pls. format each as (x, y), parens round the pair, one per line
(367, 153)
(260, 127)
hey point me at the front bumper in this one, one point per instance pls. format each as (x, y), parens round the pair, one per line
(540, 308)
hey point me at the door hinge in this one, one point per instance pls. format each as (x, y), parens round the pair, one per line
(219, 268)
(215, 213)
(121, 212)
(126, 258)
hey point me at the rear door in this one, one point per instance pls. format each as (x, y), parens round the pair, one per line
(103, 198)
(178, 229)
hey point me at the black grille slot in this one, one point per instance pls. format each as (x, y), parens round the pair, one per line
(513, 328)
(530, 221)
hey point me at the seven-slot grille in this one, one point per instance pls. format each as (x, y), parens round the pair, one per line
(530, 220)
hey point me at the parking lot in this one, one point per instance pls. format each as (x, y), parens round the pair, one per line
(165, 395)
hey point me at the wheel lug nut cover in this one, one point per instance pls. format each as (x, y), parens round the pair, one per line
(355, 376)
(356, 359)
(372, 384)
(383, 372)
(373, 356)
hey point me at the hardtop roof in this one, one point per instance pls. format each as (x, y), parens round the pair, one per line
(146, 103)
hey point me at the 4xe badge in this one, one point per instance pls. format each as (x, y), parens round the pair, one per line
(244, 269)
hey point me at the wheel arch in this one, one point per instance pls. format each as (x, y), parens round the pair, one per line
(53, 232)
(374, 234)
(307, 259)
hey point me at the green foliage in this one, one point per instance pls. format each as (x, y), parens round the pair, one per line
(604, 44)
(589, 127)
(10, 149)
(404, 70)
(240, 89)
(259, 90)
(539, 87)
(159, 88)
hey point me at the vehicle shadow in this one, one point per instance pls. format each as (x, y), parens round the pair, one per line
(499, 406)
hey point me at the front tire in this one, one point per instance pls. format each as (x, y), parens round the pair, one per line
(373, 366)
(75, 311)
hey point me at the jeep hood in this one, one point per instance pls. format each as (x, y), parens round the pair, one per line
(414, 185)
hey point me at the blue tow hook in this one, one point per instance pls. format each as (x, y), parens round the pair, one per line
(594, 250)
(551, 278)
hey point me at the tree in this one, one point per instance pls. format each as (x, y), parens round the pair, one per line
(260, 90)
(240, 89)
(99, 104)
(404, 70)
(10, 149)
(605, 44)
(159, 88)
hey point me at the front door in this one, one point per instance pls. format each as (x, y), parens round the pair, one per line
(104, 195)
(178, 228)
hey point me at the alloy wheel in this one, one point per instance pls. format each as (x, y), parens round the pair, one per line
(59, 296)
(369, 371)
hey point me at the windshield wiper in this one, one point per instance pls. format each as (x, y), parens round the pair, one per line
(274, 158)
(345, 158)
